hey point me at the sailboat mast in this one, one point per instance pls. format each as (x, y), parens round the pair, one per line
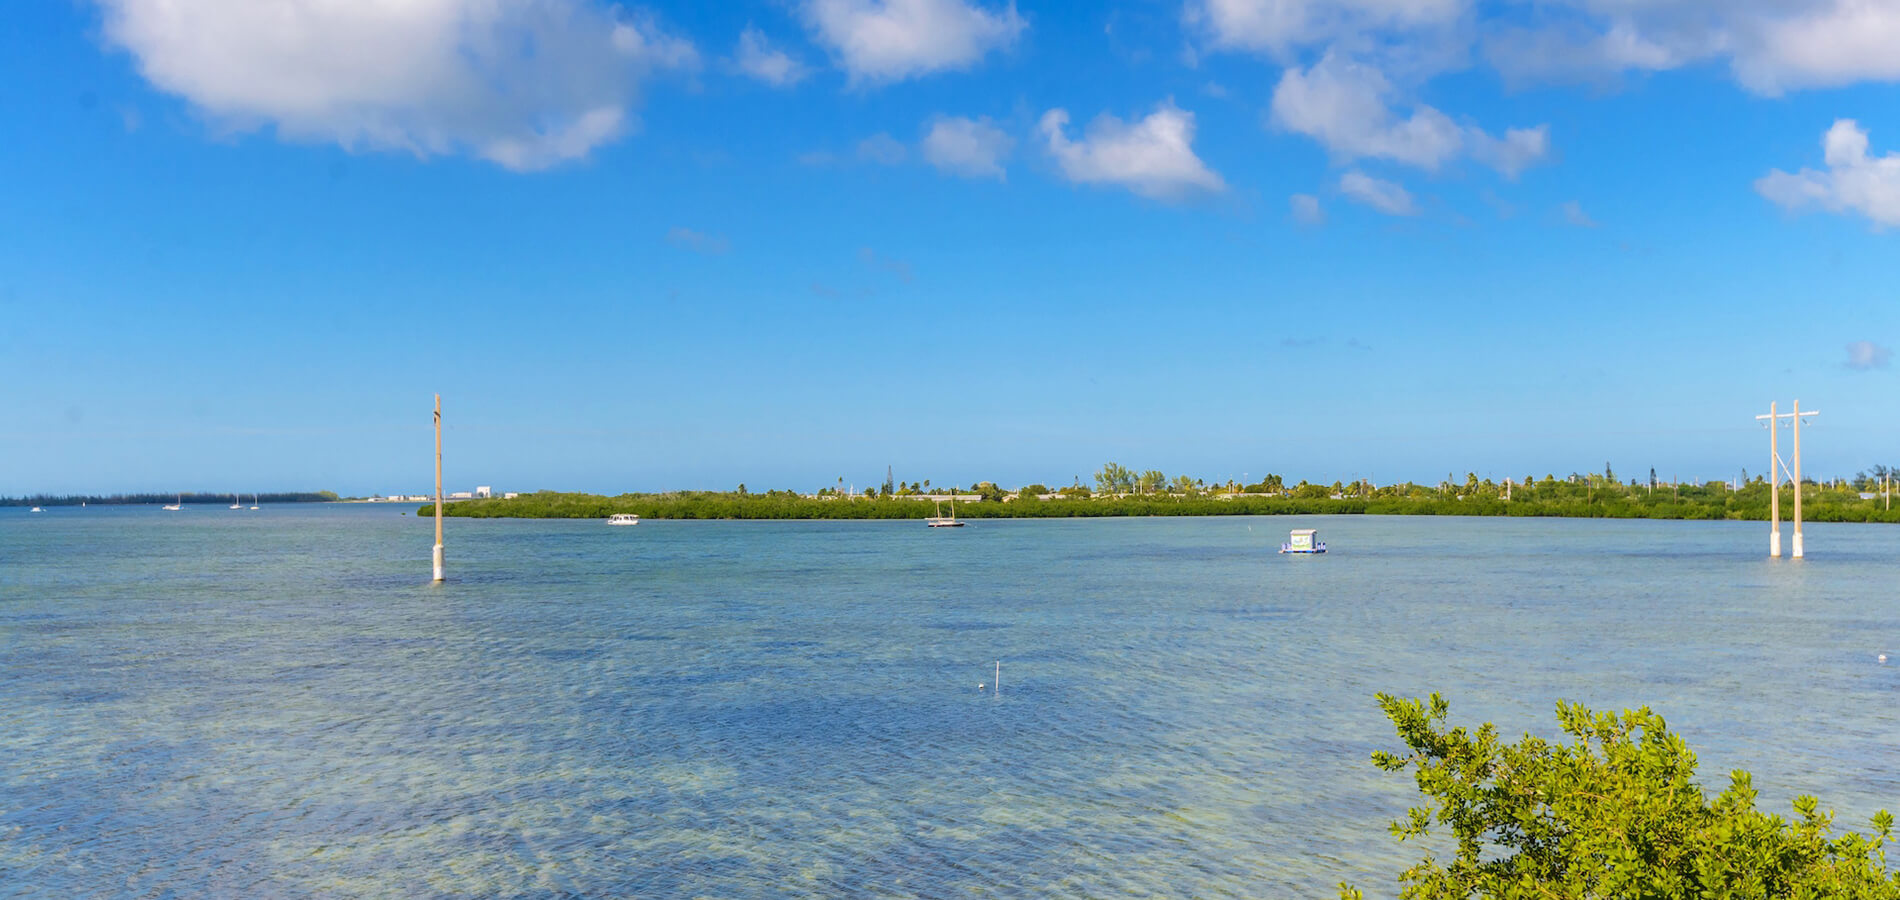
(438, 487)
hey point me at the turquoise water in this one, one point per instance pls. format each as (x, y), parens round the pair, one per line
(274, 703)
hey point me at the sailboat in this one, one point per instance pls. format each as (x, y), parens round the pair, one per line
(253, 501)
(177, 506)
(236, 503)
(939, 521)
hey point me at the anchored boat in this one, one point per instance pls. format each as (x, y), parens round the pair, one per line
(623, 519)
(1303, 540)
(940, 520)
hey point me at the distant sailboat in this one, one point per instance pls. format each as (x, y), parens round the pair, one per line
(253, 501)
(177, 506)
(236, 503)
(37, 509)
(940, 521)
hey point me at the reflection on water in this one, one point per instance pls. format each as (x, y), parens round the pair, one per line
(275, 703)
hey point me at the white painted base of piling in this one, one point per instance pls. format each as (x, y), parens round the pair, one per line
(1774, 543)
(1797, 545)
(438, 562)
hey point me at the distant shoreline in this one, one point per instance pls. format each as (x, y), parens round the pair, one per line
(1749, 504)
(188, 499)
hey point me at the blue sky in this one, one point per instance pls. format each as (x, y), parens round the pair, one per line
(665, 246)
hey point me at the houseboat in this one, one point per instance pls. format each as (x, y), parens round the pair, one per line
(1303, 540)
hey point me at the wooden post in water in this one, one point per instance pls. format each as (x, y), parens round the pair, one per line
(438, 487)
(1796, 475)
(1774, 486)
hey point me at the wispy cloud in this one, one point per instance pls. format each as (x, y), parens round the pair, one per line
(1863, 356)
(972, 148)
(1346, 106)
(755, 56)
(1306, 209)
(698, 242)
(882, 149)
(1384, 196)
(896, 267)
(1573, 214)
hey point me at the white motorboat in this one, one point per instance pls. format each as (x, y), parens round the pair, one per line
(37, 509)
(623, 519)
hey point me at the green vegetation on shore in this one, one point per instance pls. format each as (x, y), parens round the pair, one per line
(1616, 812)
(1545, 498)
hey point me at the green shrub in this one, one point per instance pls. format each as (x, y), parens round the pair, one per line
(1615, 813)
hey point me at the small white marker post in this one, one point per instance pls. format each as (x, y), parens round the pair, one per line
(438, 487)
(996, 684)
(1797, 479)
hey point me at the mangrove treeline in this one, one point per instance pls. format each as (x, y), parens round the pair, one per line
(1548, 498)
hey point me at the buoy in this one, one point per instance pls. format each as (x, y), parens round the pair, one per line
(1883, 657)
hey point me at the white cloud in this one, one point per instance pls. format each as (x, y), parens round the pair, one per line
(757, 57)
(1517, 150)
(1153, 157)
(1853, 181)
(1306, 209)
(1577, 53)
(1573, 214)
(1865, 355)
(1828, 44)
(1345, 105)
(891, 40)
(882, 149)
(1771, 46)
(973, 148)
(1282, 26)
(643, 40)
(1384, 196)
(698, 242)
(523, 83)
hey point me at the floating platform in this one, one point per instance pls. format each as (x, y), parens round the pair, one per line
(1303, 540)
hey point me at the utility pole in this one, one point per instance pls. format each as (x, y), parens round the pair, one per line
(438, 487)
(1775, 468)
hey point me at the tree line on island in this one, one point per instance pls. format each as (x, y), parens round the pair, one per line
(1121, 491)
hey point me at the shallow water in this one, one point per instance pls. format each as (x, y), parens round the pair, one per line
(275, 703)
